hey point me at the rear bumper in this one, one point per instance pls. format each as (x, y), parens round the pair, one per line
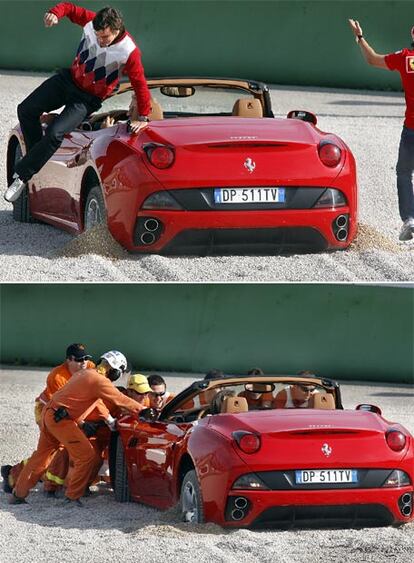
(187, 232)
(334, 508)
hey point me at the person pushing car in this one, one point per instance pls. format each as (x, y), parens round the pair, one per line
(106, 51)
(62, 421)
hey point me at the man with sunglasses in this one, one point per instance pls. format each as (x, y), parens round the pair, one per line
(159, 396)
(295, 396)
(77, 359)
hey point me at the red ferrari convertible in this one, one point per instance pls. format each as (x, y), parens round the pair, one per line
(267, 451)
(214, 170)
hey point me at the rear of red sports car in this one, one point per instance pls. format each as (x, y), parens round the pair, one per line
(308, 468)
(230, 183)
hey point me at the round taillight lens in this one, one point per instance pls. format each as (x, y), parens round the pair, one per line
(396, 440)
(161, 157)
(248, 442)
(329, 154)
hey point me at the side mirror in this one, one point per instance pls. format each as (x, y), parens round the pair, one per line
(303, 116)
(369, 408)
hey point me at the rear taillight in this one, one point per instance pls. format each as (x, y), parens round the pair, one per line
(329, 153)
(160, 156)
(396, 440)
(248, 442)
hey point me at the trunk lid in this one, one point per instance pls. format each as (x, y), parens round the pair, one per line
(314, 439)
(283, 151)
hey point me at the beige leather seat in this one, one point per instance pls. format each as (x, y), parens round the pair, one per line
(156, 111)
(247, 107)
(234, 405)
(323, 401)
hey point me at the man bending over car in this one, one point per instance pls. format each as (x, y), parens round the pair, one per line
(106, 51)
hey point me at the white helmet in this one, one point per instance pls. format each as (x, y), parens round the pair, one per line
(116, 360)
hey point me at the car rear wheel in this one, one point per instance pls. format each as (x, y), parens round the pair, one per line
(21, 207)
(95, 212)
(121, 486)
(191, 501)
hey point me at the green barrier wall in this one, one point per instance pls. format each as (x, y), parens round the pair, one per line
(283, 42)
(343, 331)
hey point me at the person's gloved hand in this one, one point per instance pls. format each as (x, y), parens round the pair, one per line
(149, 414)
(111, 422)
(90, 428)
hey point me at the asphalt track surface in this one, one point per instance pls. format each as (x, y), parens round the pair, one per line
(104, 531)
(369, 122)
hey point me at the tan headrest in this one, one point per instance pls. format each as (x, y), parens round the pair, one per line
(323, 401)
(247, 107)
(234, 405)
(156, 111)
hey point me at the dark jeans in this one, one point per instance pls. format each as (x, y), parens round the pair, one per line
(55, 92)
(405, 170)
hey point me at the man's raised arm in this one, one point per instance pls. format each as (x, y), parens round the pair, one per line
(372, 58)
(76, 14)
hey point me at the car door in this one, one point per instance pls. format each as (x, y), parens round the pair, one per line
(154, 460)
(61, 178)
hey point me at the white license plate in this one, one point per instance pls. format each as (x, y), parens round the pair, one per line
(249, 195)
(311, 476)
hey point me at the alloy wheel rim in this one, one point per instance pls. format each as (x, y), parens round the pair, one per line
(190, 505)
(93, 214)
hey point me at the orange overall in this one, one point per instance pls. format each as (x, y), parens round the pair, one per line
(55, 474)
(79, 397)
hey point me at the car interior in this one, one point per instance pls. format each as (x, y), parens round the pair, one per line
(247, 397)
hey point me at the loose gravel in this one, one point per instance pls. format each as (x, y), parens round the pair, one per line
(369, 122)
(104, 531)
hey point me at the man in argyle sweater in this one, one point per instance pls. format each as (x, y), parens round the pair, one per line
(106, 51)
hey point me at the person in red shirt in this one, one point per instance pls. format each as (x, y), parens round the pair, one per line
(403, 62)
(106, 51)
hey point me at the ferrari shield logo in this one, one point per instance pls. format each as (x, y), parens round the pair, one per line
(326, 449)
(249, 164)
(410, 64)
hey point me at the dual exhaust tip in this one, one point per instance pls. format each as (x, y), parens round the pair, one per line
(239, 512)
(151, 226)
(341, 228)
(406, 504)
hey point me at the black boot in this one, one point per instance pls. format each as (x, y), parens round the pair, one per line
(5, 471)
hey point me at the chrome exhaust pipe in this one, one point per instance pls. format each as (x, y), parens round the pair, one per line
(342, 234)
(406, 510)
(147, 238)
(151, 225)
(237, 514)
(341, 221)
(240, 503)
(406, 499)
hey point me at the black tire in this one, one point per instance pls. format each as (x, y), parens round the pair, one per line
(21, 207)
(121, 488)
(113, 442)
(191, 500)
(95, 211)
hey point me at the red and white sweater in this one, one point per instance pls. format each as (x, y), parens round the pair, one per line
(97, 70)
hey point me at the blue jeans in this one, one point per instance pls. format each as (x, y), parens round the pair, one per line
(405, 170)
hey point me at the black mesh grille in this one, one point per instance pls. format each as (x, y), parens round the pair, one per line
(231, 241)
(354, 515)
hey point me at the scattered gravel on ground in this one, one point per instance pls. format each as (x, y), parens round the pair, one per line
(369, 122)
(104, 531)
(97, 240)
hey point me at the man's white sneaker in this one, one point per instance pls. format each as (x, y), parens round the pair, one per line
(15, 189)
(407, 230)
